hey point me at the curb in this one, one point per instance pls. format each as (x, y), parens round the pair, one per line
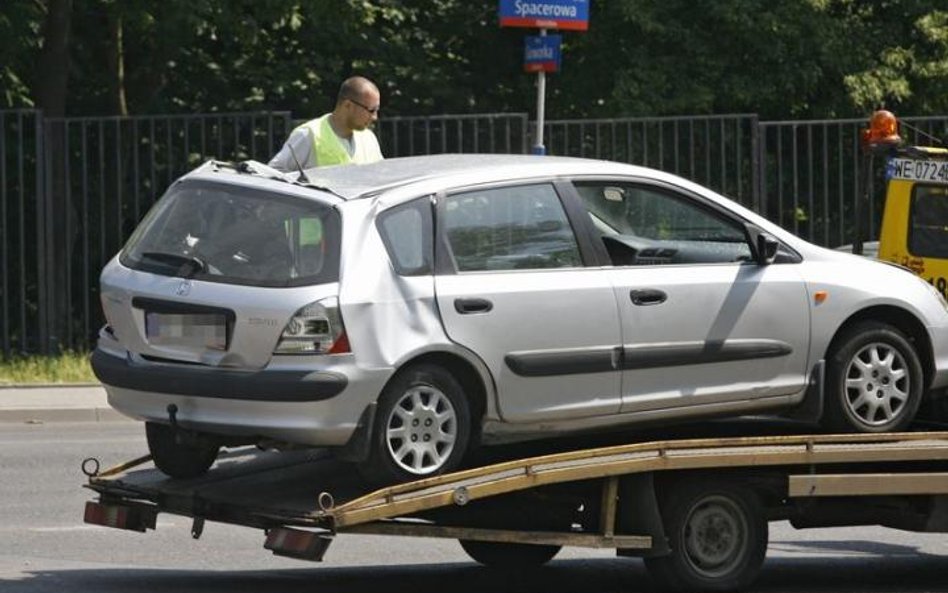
(44, 416)
(49, 403)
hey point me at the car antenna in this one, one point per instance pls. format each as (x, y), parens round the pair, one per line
(302, 178)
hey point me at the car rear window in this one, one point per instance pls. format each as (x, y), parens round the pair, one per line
(233, 235)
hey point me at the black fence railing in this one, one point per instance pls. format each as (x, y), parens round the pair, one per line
(717, 151)
(72, 190)
(810, 175)
(504, 133)
(22, 240)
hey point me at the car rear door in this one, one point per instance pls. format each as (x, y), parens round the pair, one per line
(512, 287)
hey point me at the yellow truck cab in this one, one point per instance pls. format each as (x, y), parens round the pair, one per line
(914, 231)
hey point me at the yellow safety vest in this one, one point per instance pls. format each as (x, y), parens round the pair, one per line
(329, 149)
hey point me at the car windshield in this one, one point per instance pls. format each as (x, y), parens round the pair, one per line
(228, 234)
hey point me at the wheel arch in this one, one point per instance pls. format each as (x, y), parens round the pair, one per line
(905, 322)
(466, 374)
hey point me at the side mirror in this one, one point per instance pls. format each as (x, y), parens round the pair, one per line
(766, 249)
(763, 245)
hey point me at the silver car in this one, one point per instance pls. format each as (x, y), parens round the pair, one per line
(407, 311)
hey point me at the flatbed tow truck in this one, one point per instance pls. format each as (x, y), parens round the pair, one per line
(697, 510)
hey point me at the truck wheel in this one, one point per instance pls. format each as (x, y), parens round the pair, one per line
(422, 427)
(508, 555)
(186, 458)
(717, 533)
(873, 380)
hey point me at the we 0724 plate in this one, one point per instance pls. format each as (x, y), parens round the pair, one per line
(195, 330)
(917, 170)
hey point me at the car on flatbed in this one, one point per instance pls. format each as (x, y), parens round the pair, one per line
(408, 311)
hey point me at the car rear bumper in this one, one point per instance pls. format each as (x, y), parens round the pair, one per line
(300, 406)
(196, 381)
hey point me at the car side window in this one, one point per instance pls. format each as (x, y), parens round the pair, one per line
(641, 225)
(519, 227)
(407, 235)
(929, 220)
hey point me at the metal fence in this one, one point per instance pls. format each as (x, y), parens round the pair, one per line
(717, 151)
(71, 190)
(810, 172)
(495, 133)
(439, 134)
(74, 189)
(22, 215)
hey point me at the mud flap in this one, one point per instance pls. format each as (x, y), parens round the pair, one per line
(811, 408)
(638, 513)
(359, 446)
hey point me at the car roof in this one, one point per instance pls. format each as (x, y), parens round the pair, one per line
(432, 171)
(364, 180)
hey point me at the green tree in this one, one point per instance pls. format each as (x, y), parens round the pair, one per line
(794, 59)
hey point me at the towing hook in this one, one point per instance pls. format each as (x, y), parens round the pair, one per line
(325, 501)
(90, 467)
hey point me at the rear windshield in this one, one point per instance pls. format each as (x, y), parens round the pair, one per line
(222, 233)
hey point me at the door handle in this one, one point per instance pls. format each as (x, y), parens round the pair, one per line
(647, 296)
(471, 306)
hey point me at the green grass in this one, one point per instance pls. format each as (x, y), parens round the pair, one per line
(69, 367)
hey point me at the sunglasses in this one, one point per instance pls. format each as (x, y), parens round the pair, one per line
(372, 110)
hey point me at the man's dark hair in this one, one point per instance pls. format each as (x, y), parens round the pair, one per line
(353, 87)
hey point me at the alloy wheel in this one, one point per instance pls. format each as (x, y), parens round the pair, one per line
(421, 430)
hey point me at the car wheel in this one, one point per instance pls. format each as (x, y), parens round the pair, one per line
(422, 427)
(180, 458)
(718, 535)
(508, 555)
(874, 380)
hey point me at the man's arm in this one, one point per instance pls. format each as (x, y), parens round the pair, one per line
(301, 141)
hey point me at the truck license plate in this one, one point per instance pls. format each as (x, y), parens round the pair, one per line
(918, 170)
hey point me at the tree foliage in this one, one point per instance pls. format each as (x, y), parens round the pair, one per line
(800, 58)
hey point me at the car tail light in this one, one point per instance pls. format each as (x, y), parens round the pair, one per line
(317, 328)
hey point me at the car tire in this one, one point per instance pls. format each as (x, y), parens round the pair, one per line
(506, 555)
(717, 533)
(180, 458)
(874, 380)
(422, 427)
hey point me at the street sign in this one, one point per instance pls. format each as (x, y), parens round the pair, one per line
(572, 15)
(541, 53)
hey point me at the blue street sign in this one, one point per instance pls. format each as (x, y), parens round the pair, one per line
(541, 53)
(571, 15)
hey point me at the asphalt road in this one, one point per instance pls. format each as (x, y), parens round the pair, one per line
(45, 547)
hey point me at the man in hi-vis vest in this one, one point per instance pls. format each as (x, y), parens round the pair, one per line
(339, 137)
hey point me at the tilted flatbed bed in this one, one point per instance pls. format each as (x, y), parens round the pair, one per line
(696, 509)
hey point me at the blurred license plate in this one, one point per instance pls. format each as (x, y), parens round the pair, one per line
(196, 330)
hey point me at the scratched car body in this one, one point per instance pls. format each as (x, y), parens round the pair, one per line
(406, 311)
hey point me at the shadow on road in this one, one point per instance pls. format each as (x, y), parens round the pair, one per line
(813, 574)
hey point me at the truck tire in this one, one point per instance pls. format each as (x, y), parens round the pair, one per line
(509, 555)
(874, 380)
(182, 458)
(422, 427)
(717, 533)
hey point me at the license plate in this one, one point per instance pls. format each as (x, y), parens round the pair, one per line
(193, 330)
(917, 170)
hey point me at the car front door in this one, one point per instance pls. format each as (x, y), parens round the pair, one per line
(511, 287)
(703, 324)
